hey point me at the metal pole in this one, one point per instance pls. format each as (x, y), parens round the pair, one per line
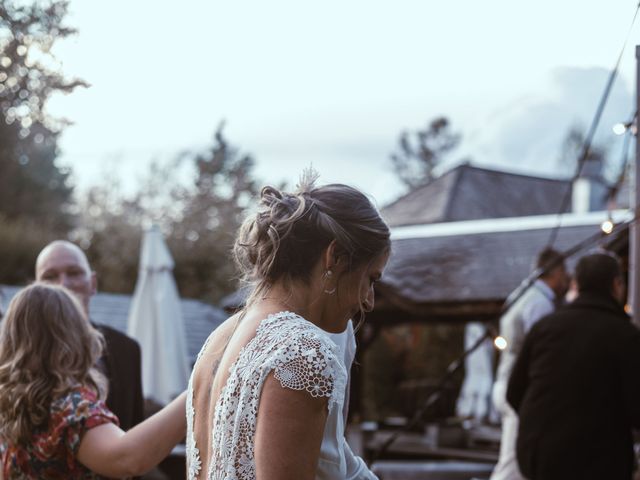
(634, 232)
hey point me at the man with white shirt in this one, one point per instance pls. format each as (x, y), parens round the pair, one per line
(538, 301)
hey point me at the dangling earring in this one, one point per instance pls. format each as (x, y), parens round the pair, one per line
(327, 276)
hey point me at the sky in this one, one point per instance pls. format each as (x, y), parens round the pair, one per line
(333, 83)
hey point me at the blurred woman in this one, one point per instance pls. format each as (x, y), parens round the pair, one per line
(53, 420)
(270, 381)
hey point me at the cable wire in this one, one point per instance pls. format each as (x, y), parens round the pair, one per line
(614, 189)
(586, 147)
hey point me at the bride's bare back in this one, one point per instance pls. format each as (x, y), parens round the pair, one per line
(210, 374)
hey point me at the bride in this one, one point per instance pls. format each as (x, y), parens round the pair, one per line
(270, 383)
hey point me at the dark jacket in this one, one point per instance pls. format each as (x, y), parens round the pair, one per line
(576, 388)
(121, 362)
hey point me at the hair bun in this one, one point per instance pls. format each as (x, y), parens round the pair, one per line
(270, 194)
(285, 238)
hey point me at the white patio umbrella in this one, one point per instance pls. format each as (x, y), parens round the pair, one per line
(155, 320)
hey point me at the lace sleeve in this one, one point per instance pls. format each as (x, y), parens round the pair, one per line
(309, 362)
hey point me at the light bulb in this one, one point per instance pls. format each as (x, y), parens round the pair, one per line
(500, 342)
(607, 226)
(619, 128)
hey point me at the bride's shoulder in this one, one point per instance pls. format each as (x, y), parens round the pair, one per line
(294, 328)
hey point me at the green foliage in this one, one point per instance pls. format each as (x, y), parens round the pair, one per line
(31, 184)
(212, 213)
(110, 232)
(420, 152)
(20, 243)
(199, 220)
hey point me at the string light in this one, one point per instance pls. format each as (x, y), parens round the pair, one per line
(620, 128)
(592, 130)
(607, 226)
(500, 342)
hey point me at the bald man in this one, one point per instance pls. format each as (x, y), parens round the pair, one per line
(63, 263)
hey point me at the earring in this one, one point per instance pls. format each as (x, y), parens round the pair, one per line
(327, 276)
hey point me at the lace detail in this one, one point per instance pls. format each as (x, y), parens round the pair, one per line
(194, 465)
(302, 357)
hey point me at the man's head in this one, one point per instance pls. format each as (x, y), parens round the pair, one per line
(63, 263)
(600, 273)
(555, 272)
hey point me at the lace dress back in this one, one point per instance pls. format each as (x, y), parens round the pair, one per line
(221, 419)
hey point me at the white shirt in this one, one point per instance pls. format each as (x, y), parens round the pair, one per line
(536, 302)
(337, 461)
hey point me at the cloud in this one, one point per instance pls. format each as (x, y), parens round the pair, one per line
(528, 133)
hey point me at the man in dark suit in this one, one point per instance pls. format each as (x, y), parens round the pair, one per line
(576, 383)
(63, 263)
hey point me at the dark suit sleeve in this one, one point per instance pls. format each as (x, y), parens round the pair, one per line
(519, 380)
(138, 398)
(630, 375)
(123, 365)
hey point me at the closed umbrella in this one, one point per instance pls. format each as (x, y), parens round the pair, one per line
(155, 320)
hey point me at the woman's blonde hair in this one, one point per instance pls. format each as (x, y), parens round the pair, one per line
(47, 347)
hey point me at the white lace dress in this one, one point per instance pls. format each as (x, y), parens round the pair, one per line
(302, 357)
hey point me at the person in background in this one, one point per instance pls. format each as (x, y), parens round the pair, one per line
(53, 420)
(64, 263)
(539, 300)
(576, 383)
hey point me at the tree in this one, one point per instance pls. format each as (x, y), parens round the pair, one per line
(31, 184)
(420, 152)
(571, 153)
(212, 213)
(199, 220)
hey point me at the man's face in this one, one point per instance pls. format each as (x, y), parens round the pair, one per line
(66, 265)
(560, 280)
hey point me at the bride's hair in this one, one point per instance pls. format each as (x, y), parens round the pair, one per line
(284, 239)
(47, 347)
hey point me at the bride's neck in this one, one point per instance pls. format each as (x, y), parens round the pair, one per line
(298, 298)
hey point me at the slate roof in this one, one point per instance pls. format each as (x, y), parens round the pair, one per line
(468, 193)
(200, 319)
(464, 268)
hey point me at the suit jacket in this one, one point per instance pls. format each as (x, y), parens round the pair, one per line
(121, 362)
(576, 388)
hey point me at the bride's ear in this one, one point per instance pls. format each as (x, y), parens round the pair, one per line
(333, 259)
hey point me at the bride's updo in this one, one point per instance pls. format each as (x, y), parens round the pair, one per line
(283, 240)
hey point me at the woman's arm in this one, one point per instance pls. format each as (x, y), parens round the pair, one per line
(289, 432)
(108, 451)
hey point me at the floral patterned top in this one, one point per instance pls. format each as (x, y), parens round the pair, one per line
(51, 454)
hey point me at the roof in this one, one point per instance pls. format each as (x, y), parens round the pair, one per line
(468, 193)
(200, 318)
(475, 261)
